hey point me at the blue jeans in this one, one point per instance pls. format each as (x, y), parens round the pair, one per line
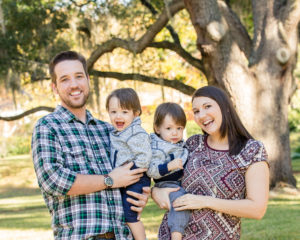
(177, 220)
(131, 216)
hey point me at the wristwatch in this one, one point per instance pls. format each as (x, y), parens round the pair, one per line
(108, 181)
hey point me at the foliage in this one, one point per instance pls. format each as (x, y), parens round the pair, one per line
(244, 10)
(294, 109)
(294, 120)
(46, 27)
(192, 128)
(30, 34)
(17, 145)
(296, 166)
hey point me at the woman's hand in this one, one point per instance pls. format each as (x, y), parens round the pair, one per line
(190, 202)
(161, 196)
(140, 202)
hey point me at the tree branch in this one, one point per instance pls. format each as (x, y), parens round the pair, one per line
(260, 10)
(212, 21)
(290, 14)
(149, 6)
(175, 84)
(26, 113)
(236, 29)
(197, 63)
(82, 4)
(139, 45)
(169, 27)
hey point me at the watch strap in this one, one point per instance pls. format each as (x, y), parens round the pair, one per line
(105, 183)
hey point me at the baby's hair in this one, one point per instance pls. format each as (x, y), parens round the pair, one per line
(172, 109)
(128, 99)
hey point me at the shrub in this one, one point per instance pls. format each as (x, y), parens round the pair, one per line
(18, 145)
(192, 128)
(294, 120)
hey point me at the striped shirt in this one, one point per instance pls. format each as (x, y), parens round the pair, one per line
(63, 146)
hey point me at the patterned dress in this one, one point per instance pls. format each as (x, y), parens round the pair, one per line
(215, 173)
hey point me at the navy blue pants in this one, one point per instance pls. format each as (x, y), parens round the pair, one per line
(131, 216)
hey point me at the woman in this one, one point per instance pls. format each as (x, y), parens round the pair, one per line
(226, 176)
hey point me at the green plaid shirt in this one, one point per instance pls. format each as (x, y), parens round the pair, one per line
(63, 146)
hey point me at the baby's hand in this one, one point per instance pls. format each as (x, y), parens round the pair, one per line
(175, 164)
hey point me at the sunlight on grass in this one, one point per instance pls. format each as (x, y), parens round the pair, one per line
(280, 222)
(21, 202)
(26, 234)
(151, 217)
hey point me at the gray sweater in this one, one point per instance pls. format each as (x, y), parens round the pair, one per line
(162, 153)
(131, 145)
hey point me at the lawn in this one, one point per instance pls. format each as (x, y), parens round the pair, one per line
(23, 214)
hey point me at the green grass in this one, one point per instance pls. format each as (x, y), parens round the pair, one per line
(295, 141)
(280, 222)
(296, 164)
(23, 214)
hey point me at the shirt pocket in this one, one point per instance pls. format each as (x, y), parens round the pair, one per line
(76, 160)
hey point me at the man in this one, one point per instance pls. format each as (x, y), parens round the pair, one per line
(71, 158)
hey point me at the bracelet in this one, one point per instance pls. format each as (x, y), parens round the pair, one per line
(151, 190)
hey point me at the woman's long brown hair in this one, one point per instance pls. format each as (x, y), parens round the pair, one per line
(231, 125)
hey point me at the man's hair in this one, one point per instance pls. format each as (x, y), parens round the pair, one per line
(128, 99)
(172, 109)
(63, 56)
(231, 124)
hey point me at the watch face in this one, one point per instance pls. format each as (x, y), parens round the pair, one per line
(108, 181)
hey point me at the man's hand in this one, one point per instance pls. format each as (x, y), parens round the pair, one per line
(123, 176)
(175, 164)
(140, 202)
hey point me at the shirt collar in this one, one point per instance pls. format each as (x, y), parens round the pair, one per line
(69, 117)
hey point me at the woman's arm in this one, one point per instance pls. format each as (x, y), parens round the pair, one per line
(254, 206)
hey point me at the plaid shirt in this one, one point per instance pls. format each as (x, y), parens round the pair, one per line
(63, 146)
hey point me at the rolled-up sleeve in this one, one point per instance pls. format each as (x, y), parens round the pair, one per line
(53, 178)
(158, 159)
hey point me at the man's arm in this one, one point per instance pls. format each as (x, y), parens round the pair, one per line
(122, 176)
(54, 179)
(57, 180)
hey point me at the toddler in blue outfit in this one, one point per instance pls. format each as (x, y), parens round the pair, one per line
(129, 143)
(168, 159)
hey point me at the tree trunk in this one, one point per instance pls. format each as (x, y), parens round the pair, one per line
(257, 75)
(2, 25)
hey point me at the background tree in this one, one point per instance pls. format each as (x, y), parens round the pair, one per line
(29, 31)
(248, 48)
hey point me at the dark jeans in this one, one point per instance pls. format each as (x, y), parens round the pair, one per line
(131, 216)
